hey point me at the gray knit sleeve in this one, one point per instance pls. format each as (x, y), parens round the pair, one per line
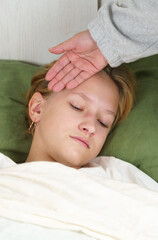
(126, 30)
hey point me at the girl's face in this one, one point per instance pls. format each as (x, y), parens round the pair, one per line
(73, 124)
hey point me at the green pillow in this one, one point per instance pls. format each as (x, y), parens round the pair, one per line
(14, 82)
(135, 140)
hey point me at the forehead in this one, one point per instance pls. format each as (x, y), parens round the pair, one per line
(99, 89)
(98, 86)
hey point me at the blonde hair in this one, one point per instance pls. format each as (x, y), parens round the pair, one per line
(121, 76)
(126, 83)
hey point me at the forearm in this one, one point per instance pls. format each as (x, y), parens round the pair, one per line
(126, 30)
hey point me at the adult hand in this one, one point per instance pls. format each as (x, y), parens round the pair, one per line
(81, 59)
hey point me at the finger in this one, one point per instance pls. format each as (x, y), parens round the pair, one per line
(59, 87)
(63, 73)
(71, 75)
(77, 80)
(57, 67)
(64, 46)
(60, 75)
(61, 84)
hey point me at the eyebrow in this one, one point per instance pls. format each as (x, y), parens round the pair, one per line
(89, 100)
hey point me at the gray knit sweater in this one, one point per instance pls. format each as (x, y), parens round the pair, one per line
(126, 30)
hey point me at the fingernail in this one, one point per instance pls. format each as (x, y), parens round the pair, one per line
(48, 77)
(50, 87)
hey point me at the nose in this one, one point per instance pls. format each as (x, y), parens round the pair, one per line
(88, 127)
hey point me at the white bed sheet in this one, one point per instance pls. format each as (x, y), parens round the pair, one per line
(56, 197)
(12, 230)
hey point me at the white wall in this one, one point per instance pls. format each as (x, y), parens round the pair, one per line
(102, 2)
(29, 27)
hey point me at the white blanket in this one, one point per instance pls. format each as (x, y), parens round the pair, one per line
(59, 197)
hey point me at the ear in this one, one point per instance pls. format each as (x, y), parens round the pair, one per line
(35, 106)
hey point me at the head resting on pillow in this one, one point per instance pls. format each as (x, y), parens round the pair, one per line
(71, 126)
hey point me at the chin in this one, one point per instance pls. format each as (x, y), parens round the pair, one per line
(73, 158)
(74, 161)
(73, 164)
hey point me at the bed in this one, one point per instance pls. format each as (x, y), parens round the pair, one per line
(36, 202)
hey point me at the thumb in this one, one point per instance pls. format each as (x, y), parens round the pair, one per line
(63, 47)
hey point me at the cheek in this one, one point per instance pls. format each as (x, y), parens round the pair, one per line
(101, 138)
(57, 120)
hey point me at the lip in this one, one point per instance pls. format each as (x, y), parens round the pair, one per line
(81, 140)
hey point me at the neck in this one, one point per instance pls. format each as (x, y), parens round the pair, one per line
(37, 151)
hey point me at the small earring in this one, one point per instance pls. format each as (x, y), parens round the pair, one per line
(32, 128)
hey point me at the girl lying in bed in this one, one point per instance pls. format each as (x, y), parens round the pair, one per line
(70, 127)
(58, 191)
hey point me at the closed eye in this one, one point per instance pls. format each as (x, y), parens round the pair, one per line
(80, 109)
(75, 108)
(102, 124)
